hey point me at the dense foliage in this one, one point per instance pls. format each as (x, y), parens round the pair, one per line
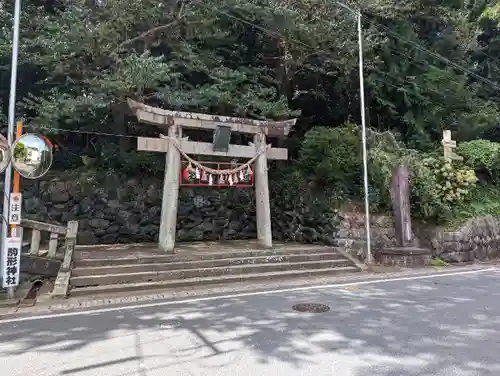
(331, 157)
(436, 185)
(428, 67)
(81, 59)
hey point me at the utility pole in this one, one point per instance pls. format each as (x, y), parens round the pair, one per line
(358, 15)
(11, 125)
(363, 140)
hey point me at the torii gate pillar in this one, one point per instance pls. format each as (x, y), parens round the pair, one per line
(170, 199)
(262, 206)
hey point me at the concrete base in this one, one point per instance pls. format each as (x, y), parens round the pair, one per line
(19, 293)
(61, 285)
(40, 266)
(406, 257)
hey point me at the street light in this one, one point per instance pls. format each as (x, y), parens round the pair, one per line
(357, 13)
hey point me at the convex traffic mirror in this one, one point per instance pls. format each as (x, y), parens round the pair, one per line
(32, 156)
(4, 153)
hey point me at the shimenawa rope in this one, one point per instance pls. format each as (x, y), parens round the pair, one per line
(245, 166)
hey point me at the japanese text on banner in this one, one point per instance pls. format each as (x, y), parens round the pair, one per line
(11, 262)
(15, 203)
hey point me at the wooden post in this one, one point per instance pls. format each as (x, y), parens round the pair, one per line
(53, 244)
(168, 223)
(264, 232)
(69, 246)
(35, 242)
(448, 146)
(401, 205)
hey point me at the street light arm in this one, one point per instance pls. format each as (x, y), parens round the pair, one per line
(356, 12)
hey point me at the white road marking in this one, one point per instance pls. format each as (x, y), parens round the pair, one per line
(240, 295)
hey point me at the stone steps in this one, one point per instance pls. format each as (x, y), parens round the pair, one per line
(134, 270)
(84, 260)
(224, 279)
(151, 275)
(159, 265)
(354, 244)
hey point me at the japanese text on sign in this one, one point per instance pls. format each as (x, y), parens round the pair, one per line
(11, 261)
(15, 209)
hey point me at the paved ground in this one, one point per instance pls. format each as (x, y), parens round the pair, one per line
(429, 326)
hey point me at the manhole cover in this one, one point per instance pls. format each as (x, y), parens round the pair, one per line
(313, 308)
(170, 324)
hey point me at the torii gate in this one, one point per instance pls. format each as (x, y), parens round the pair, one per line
(174, 145)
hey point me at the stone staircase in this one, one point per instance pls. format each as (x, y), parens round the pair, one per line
(134, 268)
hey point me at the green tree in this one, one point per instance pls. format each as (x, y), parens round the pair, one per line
(256, 58)
(20, 152)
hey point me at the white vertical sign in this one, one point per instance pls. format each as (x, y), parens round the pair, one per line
(11, 262)
(15, 204)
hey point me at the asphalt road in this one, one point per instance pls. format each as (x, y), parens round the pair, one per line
(441, 326)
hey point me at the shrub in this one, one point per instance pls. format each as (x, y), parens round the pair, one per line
(131, 162)
(453, 184)
(436, 186)
(484, 200)
(331, 157)
(300, 213)
(381, 164)
(483, 156)
(425, 196)
(437, 262)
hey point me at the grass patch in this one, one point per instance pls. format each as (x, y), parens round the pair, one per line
(437, 262)
(485, 200)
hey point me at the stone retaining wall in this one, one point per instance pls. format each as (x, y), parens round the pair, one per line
(403, 257)
(352, 233)
(116, 209)
(478, 239)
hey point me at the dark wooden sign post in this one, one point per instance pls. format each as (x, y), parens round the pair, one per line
(400, 191)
